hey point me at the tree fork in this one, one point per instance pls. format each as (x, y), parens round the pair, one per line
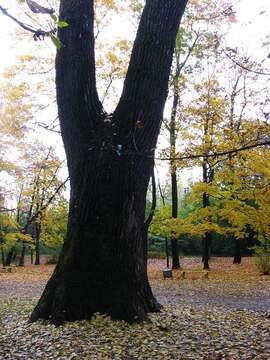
(102, 266)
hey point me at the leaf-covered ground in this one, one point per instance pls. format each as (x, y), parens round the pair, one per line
(226, 316)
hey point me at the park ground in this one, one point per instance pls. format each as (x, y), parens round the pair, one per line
(224, 314)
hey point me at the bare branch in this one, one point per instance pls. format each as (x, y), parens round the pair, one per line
(216, 154)
(198, 156)
(38, 33)
(35, 216)
(3, 210)
(38, 9)
(245, 67)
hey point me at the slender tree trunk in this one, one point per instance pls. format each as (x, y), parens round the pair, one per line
(10, 256)
(234, 129)
(37, 245)
(237, 251)
(175, 253)
(206, 241)
(22, 256)
(32, 256)
(102, 265)
(14, 257)
(3, 256)
(173, 136)
(174, 242)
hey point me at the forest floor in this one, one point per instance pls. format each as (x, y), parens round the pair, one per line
(224, 316)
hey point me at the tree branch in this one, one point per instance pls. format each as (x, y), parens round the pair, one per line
(216, 154)
(3, 210)
(38, 34)
(79, 107)
(245, 67)
(145, 89)
(35, 216)
(197, 156)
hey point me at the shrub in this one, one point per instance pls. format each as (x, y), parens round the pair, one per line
(52, 260)
(263, 264)
(262, 256)
(156, 255)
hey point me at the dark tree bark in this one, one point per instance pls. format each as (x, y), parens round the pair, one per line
(102, 266)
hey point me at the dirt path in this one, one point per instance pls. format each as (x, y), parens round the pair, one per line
(199, 297)
(232, 288)
(226, 316)
(227, 286)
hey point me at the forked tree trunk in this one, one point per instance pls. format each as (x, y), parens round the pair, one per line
(102, 266)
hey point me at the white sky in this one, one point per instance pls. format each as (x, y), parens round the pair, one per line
(253, 24)
(249, 31)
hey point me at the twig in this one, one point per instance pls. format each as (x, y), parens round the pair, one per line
(245, 67)
(38, 33)
(216, 154)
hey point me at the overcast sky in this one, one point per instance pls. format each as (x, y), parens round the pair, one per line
(253, 24)
(248, 33)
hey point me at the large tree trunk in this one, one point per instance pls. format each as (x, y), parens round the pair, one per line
(111, 275)
(102, 266)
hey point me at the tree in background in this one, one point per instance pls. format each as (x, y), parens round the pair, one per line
(40, 190)
(54, 225)
(195, 42)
